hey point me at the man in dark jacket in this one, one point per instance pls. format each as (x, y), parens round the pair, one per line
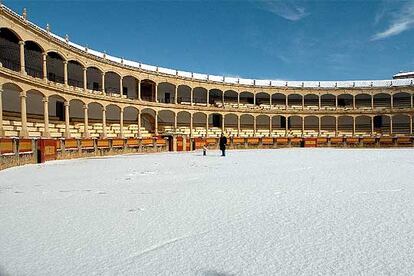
(223, 143)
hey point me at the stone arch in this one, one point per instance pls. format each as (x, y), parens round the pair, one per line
(311, 101)
(295, 100)
(94, 78)
(216, 97)
(55, 67)
(311, 123)
(230, 124)
(401, 124)
(95, 114)
(402, 100)
(130, 87)
(200, 96)
(75, 73)
(148, 119)
(328, 100)
(345, 100)
(56, 105)
(33, 59)
(246, 98)
(382, 124)
(10, 49)
(148, 90)
(279, 122)
(363, 124)
(166, 120)
(11, 100)
(230, 97)
(246, 125)
(34, 103)
(382, 100)
(328, 124)
(183, 120)
(183, 94)
(345, 124)
(279, 100)
(263, 99)
(295, 123)
(165, 92)
(112, 82)
(363, 100)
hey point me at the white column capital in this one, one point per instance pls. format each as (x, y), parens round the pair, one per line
(21, 43)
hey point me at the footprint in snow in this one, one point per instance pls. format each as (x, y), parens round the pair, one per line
(102, 193)
(18, 192)
(135, 210)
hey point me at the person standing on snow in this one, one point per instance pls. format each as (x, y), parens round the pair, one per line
(223, 143)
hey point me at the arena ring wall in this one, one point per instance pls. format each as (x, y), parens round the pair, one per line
(53, 88)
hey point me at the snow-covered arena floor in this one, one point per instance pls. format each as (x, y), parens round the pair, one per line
(254, 212)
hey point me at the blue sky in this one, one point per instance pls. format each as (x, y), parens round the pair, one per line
(289, 40)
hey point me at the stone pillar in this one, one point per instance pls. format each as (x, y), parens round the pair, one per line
(254, 99)
(411, 125)
(270, 126)
(391, 125)
(353, 102)
(411, 98)
(1, 114)
(319, 126)
(65, 73)
(139, 90)
(44, 58)
(303, 125)
(353, 125)
(319, 102)
(175, 94)
(254, 126)
(287, 101)
(286, 124)
(207, 116)
(336, 126)
(303, 102)
(208, 98)
(85, 123)
(103, 83)
(156, 123)
(191, 96)
(270, 100)
(222, 123)
(222, 98)
(372, 125)
(156, 92)
(372, 102)
(121, 123)
(67, 115)
(23, 132)
(336, 101)
(85, 79)
(104, 133)
(191, 125)
(238, 100)
(392, 101)
(120, 86)
(22, 61)
(238, 125)
(46, 117)
(139, 123)
(175, 122)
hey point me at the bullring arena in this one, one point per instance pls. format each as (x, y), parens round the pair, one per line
(93, 103)
(145, 201)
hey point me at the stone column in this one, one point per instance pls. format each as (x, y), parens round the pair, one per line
(270, 100)
(353, 102)
(286, 124)
(156, 123)
(85, 79)
(336, 101)
(319, 126)
(65, 73)
(372, 102)
(46, 117)
(238, 100)
(411, 125)
(1, 114)
(191, 125)
(411, 99)
(353, 125)
(222, 123)
(254, 126)
(191, 96)
(207, 116)
(22, 61)
(391, 125)
(139, 123)
(222, 98)
(44, 57)
(139, 90)
(372, 126)
(303, 102)
(175, 94)
(103, 83)
(23, 98)
(208, 97)
(156, 92)
(67, 115)
(104, 133)
(336, 126)
(254, 99)
(392, 101)
(238, 125)
(120, 86)
(319, 102)
(303, 125)
(287, 101)
(85, 123)
(121, 123)
(270, 126)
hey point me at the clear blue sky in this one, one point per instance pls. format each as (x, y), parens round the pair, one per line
(290, 40)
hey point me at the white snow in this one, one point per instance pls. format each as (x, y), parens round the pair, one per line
(254, 212)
